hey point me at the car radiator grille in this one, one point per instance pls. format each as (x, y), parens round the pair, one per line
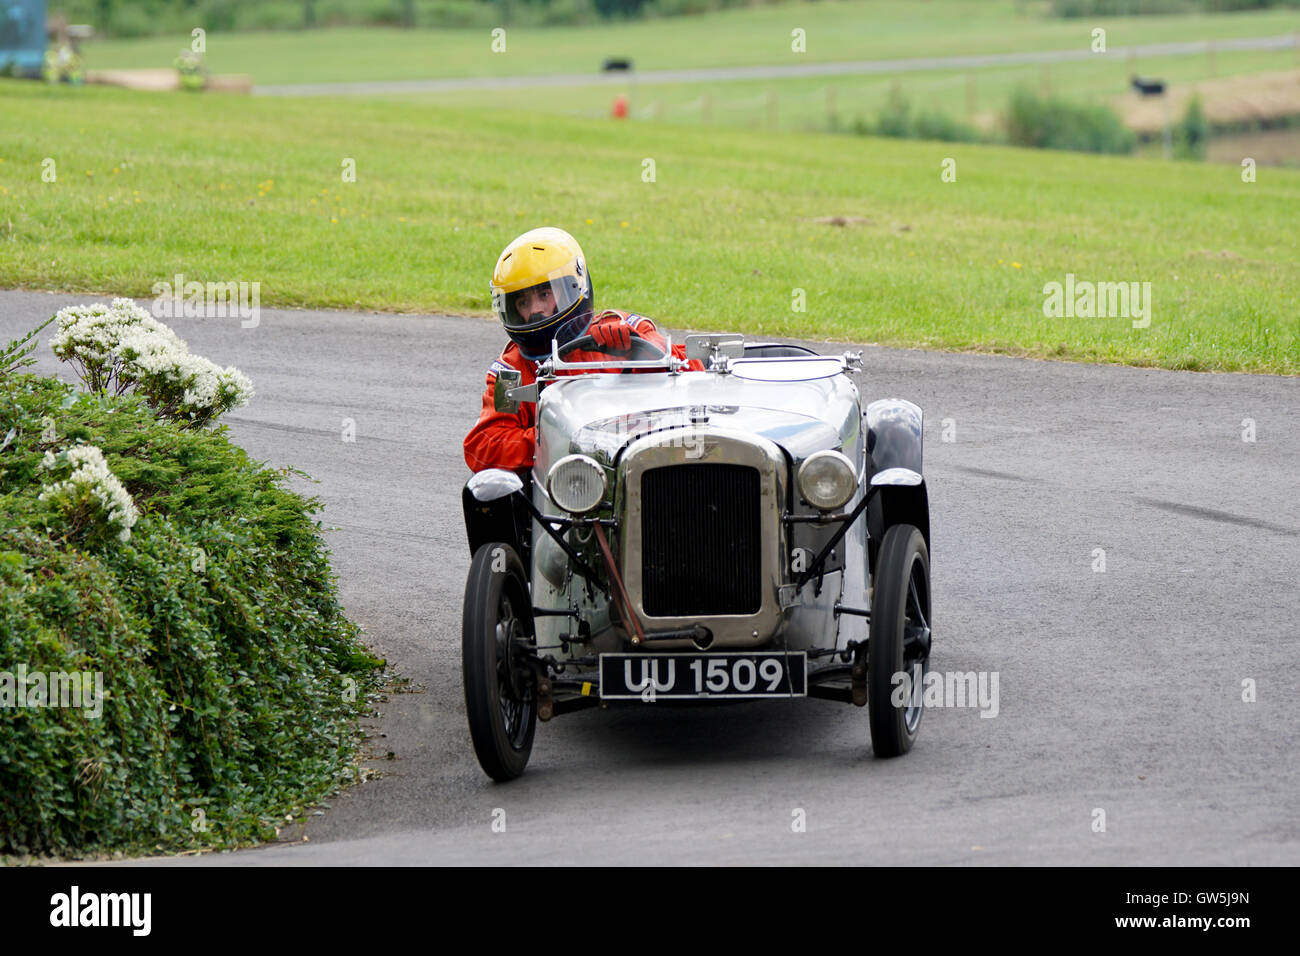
(701, 540)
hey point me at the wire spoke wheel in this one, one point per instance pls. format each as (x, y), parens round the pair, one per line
(497, 661)
(514, 689)
(916, 639)
(899, 647)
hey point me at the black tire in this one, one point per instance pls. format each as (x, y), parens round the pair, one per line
(500, 683)
(900, 639)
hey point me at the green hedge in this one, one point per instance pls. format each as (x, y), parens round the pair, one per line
(1192, 132)
(232, 678)
(1047, 123)
(897, 119)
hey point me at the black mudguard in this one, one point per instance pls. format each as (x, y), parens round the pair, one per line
(504, 519)
(894, 440)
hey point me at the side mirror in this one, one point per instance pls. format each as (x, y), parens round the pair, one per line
(506, 380)
(896, 476)
(493, 483)
(702, 347)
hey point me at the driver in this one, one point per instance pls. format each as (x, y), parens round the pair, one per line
(541, 291)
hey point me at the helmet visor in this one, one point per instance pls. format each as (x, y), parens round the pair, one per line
(543, 304)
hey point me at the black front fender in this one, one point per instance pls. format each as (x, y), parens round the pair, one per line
(894, 440)
(894, 435)
(504, 519)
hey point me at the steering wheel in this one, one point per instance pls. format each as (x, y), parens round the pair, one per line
(649, 351)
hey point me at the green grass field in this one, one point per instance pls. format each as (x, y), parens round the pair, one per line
(249, 189)
(849, 30)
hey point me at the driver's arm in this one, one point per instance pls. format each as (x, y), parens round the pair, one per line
(501, 439)
(645, 328)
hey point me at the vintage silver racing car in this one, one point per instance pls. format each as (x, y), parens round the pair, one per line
(753, 530)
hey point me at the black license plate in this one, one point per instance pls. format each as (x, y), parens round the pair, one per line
(649, 677)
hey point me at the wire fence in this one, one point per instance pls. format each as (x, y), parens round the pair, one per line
(974, 96)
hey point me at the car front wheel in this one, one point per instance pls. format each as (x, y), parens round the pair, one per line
(497, 661)
(898, 653)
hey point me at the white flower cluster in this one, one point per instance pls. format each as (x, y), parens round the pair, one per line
(91, 481)
(122, 345)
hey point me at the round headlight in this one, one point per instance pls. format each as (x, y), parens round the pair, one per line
(576, 483)
(827, 480)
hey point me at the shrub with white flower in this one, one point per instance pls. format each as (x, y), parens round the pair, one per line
(177, 383)
(90, 493)
(120, 347)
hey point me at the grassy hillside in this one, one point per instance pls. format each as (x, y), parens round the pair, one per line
(852, 30)
(250, 189)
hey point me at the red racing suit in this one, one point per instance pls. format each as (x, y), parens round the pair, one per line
(507, 440)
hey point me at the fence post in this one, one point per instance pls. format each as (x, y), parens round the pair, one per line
(1167, 138)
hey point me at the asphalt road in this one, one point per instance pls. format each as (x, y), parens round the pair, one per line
(1119, 691)
(783, 71)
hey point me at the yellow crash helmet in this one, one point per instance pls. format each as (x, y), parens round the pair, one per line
(541, 290)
